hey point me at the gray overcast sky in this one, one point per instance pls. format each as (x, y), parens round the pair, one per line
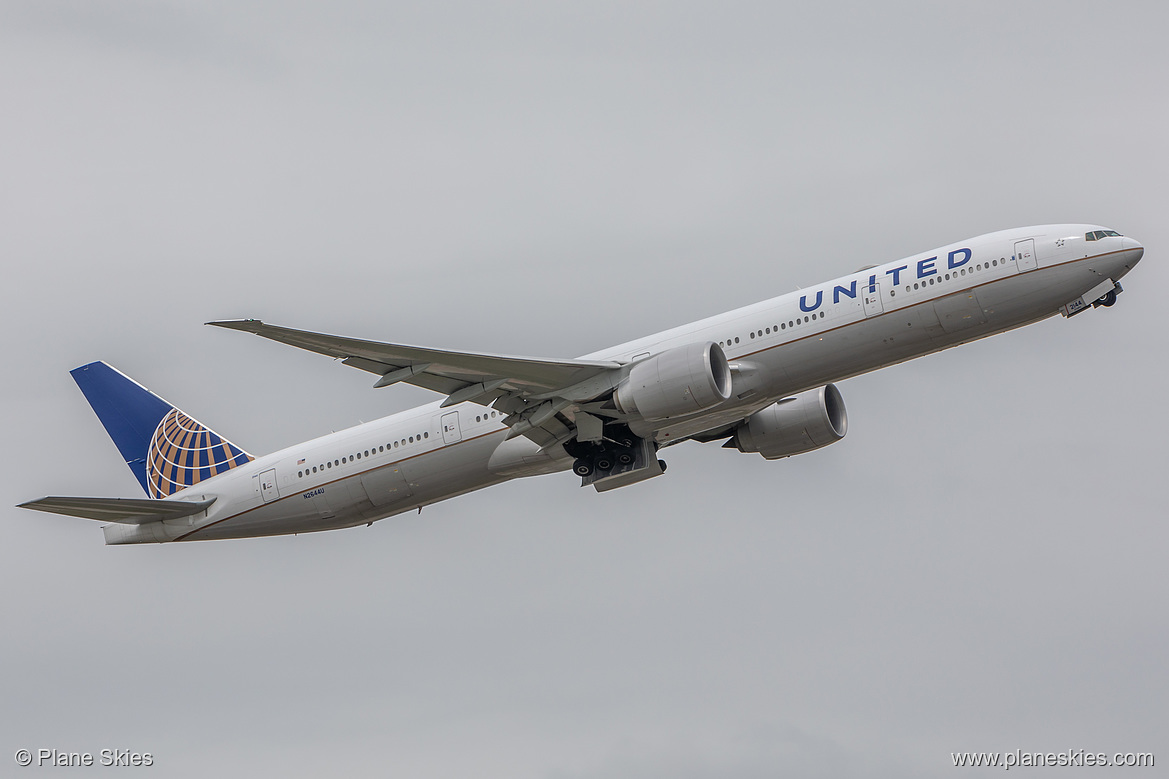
(980, 565)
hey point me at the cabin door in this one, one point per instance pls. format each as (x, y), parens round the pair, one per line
(268, 485)
(1025, 255)
(450, 427)
(872, 296)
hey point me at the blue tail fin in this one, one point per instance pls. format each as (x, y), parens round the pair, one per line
(167, 450)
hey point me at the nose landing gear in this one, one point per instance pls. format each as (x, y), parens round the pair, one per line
(1108, 300)
(1103, 294)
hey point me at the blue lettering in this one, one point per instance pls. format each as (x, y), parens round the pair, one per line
(804, 301)
(849, 290)
(896, 274)
(314, 493)
(952, 264)
(926, 268)
(873, 283)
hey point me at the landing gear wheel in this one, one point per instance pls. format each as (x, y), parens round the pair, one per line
(662, 465)
(603, 463)
(582, 467)
(625, 457)
(1109, 299)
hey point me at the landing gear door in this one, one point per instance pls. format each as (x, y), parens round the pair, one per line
(450, 427)
(1025, 255)
(872, 296)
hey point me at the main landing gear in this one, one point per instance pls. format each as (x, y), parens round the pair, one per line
(618, 447)
(619, 458)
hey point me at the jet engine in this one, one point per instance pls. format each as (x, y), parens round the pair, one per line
(794, 425)
(679, 381)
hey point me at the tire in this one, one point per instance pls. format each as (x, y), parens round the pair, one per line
(603, 463)
(625, 458)
(582, 468)
(1109, 299)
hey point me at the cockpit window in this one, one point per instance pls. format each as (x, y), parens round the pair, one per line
(1089, 236)
(1112, 233)
(1096, 235)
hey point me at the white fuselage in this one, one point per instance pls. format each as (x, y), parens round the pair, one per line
(867, 320)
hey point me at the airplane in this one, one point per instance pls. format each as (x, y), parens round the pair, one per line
(760, 378)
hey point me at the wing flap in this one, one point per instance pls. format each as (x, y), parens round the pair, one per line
(425, 380)
(126, 511)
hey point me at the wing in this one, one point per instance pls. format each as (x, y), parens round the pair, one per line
(126, 511)
(537, 395)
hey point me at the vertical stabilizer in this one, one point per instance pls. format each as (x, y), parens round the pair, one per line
(167, 450)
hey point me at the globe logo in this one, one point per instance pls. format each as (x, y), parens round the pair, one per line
(183, 452)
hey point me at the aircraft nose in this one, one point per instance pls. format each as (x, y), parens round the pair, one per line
(1132, 243)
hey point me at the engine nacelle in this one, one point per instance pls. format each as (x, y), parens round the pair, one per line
(679, 381)
(794, 425)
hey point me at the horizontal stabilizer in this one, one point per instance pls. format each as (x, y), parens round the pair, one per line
(127, 511)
